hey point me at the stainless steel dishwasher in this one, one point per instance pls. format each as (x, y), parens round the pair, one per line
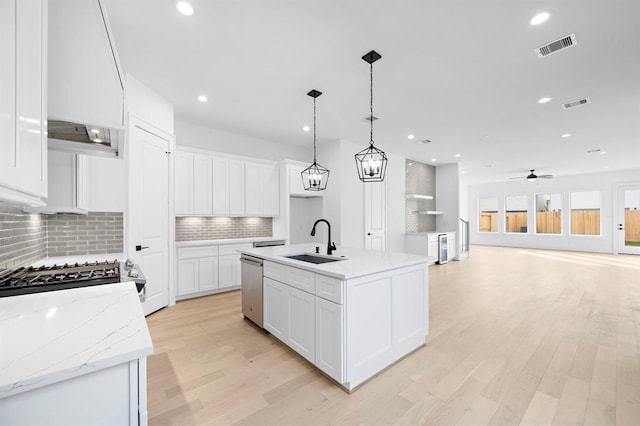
(251, 285)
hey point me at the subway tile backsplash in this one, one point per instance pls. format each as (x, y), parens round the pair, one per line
(26, 238)
(23, 237)
(220, 228)
(93, 233)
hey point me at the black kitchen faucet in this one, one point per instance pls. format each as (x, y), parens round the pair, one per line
(330, 246)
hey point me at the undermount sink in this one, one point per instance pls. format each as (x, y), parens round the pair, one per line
(312, 259)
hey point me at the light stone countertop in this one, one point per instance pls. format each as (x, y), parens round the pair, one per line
(357, 262)
(196, 243)
(57, 335)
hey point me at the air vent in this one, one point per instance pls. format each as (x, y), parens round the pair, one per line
(576, 103)
(424, 141)
(557, 45)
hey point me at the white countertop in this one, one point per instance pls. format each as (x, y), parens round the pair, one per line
(358, 262)
(53, 336)
(196, 243)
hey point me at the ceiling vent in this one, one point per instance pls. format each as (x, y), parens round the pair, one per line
(556, 45)
(576, 103)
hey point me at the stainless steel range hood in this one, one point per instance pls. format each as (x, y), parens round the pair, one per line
(86, 84)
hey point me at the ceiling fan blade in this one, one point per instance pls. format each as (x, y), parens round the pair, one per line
(545, 176)
(519, 177)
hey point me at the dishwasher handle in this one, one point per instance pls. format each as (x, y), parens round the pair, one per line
(251, 260)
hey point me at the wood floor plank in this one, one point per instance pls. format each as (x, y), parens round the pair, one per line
(516, 336)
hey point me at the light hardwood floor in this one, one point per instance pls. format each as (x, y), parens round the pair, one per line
(517, 336)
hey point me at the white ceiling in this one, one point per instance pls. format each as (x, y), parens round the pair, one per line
(460, 73)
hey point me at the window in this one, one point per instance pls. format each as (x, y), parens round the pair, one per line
(488, 220)
(515, 217)
(585, 213)
(548, 214)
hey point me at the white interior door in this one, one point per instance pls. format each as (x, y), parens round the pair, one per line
(628, 219)
(375, 215)
(149, 210)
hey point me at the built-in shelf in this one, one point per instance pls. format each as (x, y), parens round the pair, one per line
(419, 197)
(428, 212)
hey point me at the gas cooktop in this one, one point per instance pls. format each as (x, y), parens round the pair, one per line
(58, 277)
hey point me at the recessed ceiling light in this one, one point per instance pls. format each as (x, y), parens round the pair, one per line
(603, 152)
(544, 100)
(410, 164)
(606, 167)
(566, 135)
(433, 160)
(539, 18)
(457, 155)
(464, 171)
(306, 128)
(410, 137)
(203, 98)
(185, 8)
(95, 131)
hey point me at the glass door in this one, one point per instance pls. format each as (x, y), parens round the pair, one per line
(628, 223)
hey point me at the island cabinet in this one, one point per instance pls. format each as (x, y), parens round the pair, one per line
(348, 328)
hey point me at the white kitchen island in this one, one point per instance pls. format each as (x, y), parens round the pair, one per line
(350, 318)
(74, 357)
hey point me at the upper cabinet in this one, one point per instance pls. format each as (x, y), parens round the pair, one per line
(224, 186)
(23, 101)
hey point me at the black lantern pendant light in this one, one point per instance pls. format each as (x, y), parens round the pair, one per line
(315, 177)
(371, 162)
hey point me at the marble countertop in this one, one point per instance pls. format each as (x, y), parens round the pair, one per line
(53, 336)
(356, 262)
(196, 243)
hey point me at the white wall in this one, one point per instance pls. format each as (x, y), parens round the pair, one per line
(564, 185)
(303, 213)
(107, 184)
(446, 196)
(197, 136)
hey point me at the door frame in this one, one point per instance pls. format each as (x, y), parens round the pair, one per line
(134, 121)
(618, 212)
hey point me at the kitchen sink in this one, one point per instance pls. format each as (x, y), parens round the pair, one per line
(312, 259)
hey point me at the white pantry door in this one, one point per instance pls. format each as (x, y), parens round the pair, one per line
(628, 219)
(149, 210)
(375, 215)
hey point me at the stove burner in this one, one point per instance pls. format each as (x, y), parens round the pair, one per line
(48, 278)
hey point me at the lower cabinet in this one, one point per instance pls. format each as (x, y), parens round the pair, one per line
(310, 325)
(206, 269)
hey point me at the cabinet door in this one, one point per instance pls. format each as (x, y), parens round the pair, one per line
(208, 273)
(432, 249)
(252, 195)
(329, 339)
(229, 270)
(409, 298)
(301, 319)
(276, 319)
(23, 163)
(184, 183)
(220, 186)
(187, 276)
(451, 246)
(236, 187)
(7, 90)
(270, 190)
(202, 184)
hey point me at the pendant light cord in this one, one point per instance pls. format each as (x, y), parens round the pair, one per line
(371, 102)
(314, 130)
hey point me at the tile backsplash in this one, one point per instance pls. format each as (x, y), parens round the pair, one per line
(26, 238)
(23, 237)
(93, 233)
(219, 228)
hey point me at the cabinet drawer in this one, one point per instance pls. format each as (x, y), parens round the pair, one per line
(193, 252)
(329, 288)
(233, 249)
(275, 271)
(301, 279)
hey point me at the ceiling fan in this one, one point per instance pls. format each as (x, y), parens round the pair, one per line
(532, 176)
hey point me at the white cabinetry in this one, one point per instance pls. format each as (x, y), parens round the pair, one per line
(427, 244)
(208, 269)
(261, 189)
(193, 181)
(296, 312)
(23, 100)
(197, 270)
(211, 184)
